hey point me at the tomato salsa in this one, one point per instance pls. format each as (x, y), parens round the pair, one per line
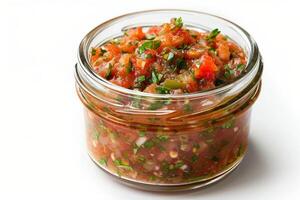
(171, 127)
(169, 59)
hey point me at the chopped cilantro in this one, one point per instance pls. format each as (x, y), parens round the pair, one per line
(163, 138)
(194, 158)
(150, 36)
(141, 79)
(141, 159)
(187, 108)
(170, 56)
(103, 161)
(150, 44)
(157, 105)
(93, 51)
(103, 51)
(228, 71)
(148, 144)
(179, 164)
(129, 68)
(108, 72)
(148, 56)
(142, 133)
(240, 67)
(155, 77)
(118, 163)
(96, 135)
(180, 63)
(178, 22)
(228, 124)
(162, 90)
(136, 102)
(213, 34)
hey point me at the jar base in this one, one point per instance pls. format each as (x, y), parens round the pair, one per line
(157, 187)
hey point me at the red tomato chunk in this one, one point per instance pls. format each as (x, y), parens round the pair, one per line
(171, 57)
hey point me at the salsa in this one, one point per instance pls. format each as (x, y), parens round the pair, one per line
(175, 138)
(169, 59)
(168, 156)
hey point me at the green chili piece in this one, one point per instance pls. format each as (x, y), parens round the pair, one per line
(173, 84)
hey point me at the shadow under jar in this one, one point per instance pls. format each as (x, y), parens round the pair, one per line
(167, 142)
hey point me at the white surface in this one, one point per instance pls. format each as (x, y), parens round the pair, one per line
(42, 146)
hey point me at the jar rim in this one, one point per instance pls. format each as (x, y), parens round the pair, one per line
(84, 63)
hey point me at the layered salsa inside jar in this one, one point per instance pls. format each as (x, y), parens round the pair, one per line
(169, 142)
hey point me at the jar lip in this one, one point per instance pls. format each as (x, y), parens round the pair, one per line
(87, 68)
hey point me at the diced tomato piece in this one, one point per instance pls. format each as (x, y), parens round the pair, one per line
(136, 33)
(192, 86)
(105, 70)
(95, 54)
(128, 46)
(151, 88)
(126, 82)
(207, 69)
(150, 56)
(154, 30)
(113, 49)
(142, 67)
(187, 38)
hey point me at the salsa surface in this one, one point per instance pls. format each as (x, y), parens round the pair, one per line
(169, 59)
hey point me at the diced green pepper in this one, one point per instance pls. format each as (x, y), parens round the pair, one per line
(173, 84)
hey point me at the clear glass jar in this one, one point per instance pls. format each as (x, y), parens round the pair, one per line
(167, 142)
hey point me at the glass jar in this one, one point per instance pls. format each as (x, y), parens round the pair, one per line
(167, 142)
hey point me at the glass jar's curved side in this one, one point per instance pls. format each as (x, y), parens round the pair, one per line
(168, 155)
(167, 141)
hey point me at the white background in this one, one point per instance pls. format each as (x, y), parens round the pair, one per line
(42, 148)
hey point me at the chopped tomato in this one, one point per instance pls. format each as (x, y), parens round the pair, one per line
(169, 52)
(136, 33)
(206, 69)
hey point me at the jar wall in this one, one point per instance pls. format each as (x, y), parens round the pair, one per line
(160, 140)
(155, 155)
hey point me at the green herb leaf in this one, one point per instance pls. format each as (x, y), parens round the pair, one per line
(178, 22)
(179, 164)
(158, 104)
(240, 67)
(129, 68)
(103, 51)
(150, 36)
(213, 34)
(118, 163)
(103, 161)
(141, 159)
(142, 133)
(156, 77)
(150, 44)
(180, 63)
(141, 79)
(93, 51)
(162, 90)
(148, 56)
(228, 71)
(148, 144)
(228, 124)
(170, 56)
(108, 72)
(194, 158)
(187, 108)
(136, 102)
(96, 135)
(163, 138)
